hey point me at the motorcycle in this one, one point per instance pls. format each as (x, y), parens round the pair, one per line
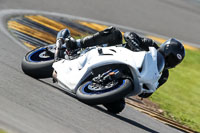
(98, 75)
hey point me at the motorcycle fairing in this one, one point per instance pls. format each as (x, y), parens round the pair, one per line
(71, 73)
(150, 74)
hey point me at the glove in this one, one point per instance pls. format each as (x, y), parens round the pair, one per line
(131, 36)
(71, 43)
(133, 40)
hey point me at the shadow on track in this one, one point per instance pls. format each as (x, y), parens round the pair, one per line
(129, 121)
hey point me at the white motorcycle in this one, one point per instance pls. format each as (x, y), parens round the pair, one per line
(99, 75)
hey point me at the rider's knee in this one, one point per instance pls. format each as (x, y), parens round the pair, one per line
(117, 37)
(113, 35)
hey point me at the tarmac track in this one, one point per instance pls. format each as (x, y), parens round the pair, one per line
(29, 105)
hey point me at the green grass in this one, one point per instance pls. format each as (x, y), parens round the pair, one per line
(2, 131)
(180, 96)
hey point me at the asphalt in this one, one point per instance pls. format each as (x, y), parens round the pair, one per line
(34, 106)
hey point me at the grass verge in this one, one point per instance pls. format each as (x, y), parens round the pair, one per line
(180, 96)
(2, 131)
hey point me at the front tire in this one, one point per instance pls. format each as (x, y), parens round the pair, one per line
(36, 65)
(87, 96)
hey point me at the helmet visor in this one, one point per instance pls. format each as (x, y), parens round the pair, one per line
(172, 61)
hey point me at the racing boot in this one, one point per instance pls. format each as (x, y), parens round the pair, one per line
(65, 33)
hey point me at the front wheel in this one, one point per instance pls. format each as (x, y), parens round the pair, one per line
(38, 62)
(93, 93)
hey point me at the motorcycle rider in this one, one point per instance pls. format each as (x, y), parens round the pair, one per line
(172, 50)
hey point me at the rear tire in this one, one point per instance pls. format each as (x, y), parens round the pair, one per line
(39, 67)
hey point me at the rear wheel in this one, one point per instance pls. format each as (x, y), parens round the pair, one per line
(38, 62)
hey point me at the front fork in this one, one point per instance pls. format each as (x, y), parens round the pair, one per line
(108, 76)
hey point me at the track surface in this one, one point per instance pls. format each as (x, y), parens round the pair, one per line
(29, 105)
